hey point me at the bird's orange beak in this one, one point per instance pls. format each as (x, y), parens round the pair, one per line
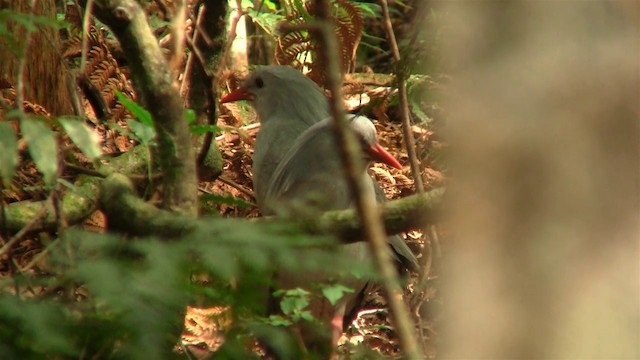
(379, 154)
(238, 94)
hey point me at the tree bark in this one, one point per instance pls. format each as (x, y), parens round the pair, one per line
(159, 95)
(45, 74)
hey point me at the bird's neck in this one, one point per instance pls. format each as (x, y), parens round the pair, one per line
(294, 108)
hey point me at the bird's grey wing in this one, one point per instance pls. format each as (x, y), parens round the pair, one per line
(290, 168)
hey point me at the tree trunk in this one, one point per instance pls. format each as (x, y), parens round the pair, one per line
(543, 258)
(45, 74)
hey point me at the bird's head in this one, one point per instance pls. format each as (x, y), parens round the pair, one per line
(281, 90)
(373, 151)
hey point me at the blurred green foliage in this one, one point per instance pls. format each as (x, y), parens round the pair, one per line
(110, 296)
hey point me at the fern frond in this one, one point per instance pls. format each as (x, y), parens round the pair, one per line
(300, 48)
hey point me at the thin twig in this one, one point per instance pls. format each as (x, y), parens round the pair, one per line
(365, 202)
(202, 32)
(23, 232)
(187, 69)
(177, 34)
(20, 79)
(432, 246)
(209, 95)
(211, 104)
(234, 184)
(3, 225)
(198, 54)
(433, 234)
(40, 255)
(230, 38)
(164, 10)
(410, 145)
(61, 221)
(242, 130)
(213, 81)
(83, 170)
(419, 298)
(404, 102)
(425, 272)
(86, 22)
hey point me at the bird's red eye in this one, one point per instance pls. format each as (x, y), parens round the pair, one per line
(259, 83)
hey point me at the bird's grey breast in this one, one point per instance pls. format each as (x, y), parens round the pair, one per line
(273, 142)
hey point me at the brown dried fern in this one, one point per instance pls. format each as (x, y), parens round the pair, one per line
(101, 67)
(300, 48)
(104, 74)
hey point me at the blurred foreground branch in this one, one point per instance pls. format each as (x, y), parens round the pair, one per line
(77, 203)
(544, 251)
(128, 213)
(400, 215)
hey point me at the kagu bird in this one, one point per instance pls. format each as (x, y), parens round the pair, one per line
(310, 176)
(287, 104)
(313, 164)
(295, 157)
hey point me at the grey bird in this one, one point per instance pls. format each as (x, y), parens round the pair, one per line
(310, 178)
(287, 104)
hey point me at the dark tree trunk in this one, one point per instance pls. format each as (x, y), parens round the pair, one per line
(45, 74)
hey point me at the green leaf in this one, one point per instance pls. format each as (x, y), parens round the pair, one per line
(293, 301)
(370, 10)
(69, 185)
(306, 315)
(143, 129)
(269, 5)
(138, 111)
(202, 129)
(86, 140)
(269, 22)
(9, 153)
(227, 200)
(41, 325)
(335, 292)
(190, 116)
(143, 132)
(42, 147)
(245, 4)
(278, 320)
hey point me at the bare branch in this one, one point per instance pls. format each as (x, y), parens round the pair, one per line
(177, 34)
(127, 212)
(409, 140)
(160, 96)
(365, 202)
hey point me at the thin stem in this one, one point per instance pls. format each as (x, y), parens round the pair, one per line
(363, 197)
(83, 170)
(23, 232)
(178, 35)
(234, 184)
(404, 102)
(230, 38)
(211, 109)
(86, 22)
